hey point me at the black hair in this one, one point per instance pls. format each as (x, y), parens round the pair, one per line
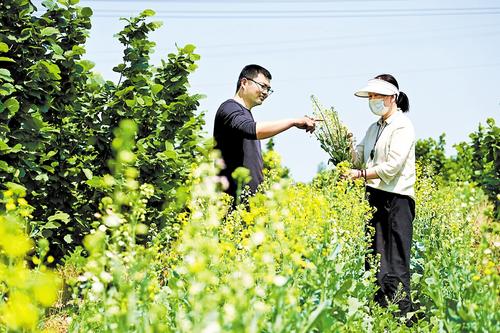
(402, 100)
(252, 71)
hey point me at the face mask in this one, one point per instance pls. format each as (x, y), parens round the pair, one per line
(377, 106)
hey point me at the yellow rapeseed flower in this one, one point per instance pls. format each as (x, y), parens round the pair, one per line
(10, 206)
(45, 288)
(22, 202)
(19, 312)
(16, 245)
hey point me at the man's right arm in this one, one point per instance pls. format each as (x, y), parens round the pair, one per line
(238, 121)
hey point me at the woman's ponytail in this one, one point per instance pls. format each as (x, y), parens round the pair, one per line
(402, 100)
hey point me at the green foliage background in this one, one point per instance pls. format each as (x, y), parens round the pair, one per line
(58, 117)
(477, 161)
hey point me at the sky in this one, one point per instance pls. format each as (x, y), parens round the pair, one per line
(444, 54)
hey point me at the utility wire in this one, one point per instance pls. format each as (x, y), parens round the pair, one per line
(344, 76)
(351, 36)
(301, 15)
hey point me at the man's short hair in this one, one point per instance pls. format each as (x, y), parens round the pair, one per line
(252, 71)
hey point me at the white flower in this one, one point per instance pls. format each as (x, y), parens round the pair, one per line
(258, 238)
(97, 287)
(260, 307)
(279, 226)
(113, 310)
(280, 280)
(267, 258)
(212, 327)
(247, 280)
(196, 288)
(84, 277)
(224, 182)
(112, 220)
(106, 277)
(229, 312)
(259, 291)
(102, 228)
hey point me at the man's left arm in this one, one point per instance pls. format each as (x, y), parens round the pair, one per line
(267, 129)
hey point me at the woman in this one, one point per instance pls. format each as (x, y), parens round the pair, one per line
(388, 151)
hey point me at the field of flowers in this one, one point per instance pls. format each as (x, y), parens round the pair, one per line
(291, 260)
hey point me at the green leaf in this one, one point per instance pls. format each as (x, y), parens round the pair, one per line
(130, 102)
(68, 239)
(53, 69)
(74, 2)
(313, 317)
(189, 48)
(12, 104)
(4, 166)
(6, 59)
(4, 47)
(42, 177)
(48, 31)
(86, 12)
(6, 89)
(88, 173)
(4, 146)
(86, 64)
(49, 4)
(5, 75)
(51, 225)
(148, 12)
(156, 24)
(122, 92)
(156, 88)
(16, 148)
(60, 216)
(57, 49)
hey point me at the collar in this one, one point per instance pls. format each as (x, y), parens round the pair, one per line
(391, 118)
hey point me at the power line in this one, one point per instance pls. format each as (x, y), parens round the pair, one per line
(247, 1)
(311, 13)
(348, 37)
(344, 76)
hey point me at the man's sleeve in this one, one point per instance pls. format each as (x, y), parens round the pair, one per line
(239, 121)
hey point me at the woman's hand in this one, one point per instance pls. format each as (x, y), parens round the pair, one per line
(355, 174)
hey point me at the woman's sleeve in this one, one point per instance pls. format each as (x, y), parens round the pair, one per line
(359, 153)
(402, 140)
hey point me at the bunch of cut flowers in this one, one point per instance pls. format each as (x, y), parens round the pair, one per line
(334, 137)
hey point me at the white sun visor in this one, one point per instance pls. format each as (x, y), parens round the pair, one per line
(378, 86)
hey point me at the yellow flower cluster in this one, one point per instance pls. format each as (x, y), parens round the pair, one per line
(251, 261)
(24, 292)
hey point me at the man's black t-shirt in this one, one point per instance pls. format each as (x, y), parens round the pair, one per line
(236, 138)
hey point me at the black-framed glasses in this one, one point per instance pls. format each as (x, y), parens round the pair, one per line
(262, 87)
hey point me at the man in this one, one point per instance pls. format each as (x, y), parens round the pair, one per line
(236, 133)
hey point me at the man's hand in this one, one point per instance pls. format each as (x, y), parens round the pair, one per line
(307, 123)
